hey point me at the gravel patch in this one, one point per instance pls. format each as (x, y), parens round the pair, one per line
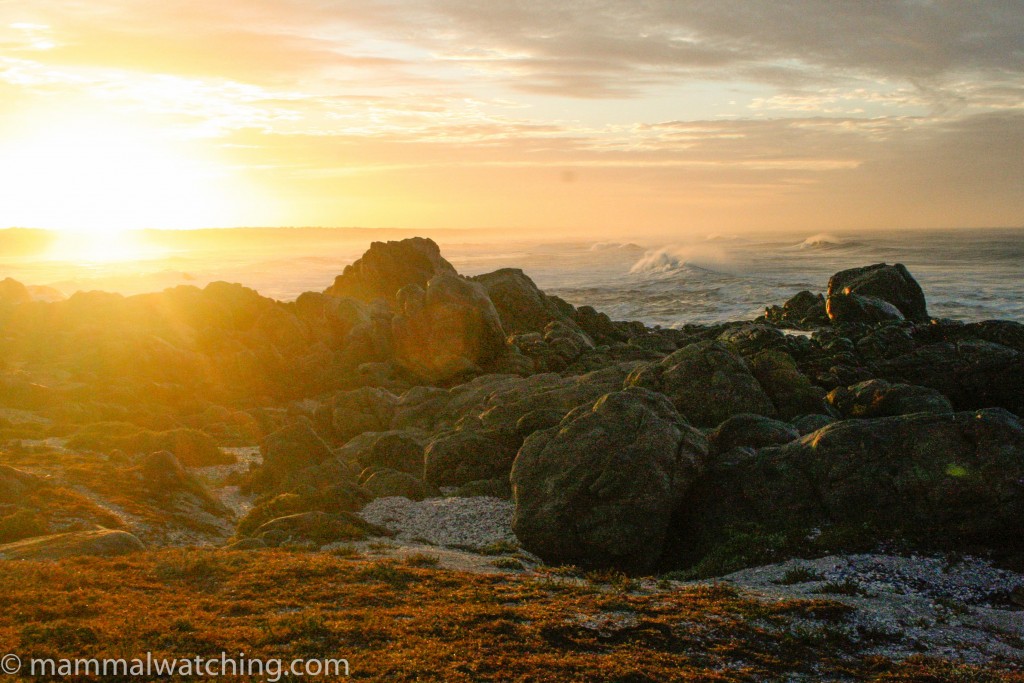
(474, 523)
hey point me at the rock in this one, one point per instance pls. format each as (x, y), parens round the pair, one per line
(940, 481)
(387, 267)
(706, 382)
(806, 424)
(599, 490)
(753, 431)
(387, 483)
(971, 373)
(99, 543)
(890, 284)
(487, 488)
(878, 398)
(450, 329)
(318, 528)
(293, 448)
(400, 450)
(854, 308)
(599, 326)
(804, 310)
(368, 409)
(791, 392)
(162, 472)
(750, 338)
(457, 458)
(521, 306)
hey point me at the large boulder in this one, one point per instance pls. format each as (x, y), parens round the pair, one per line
(945, 481)
(293, 448)
(971, 373)
(856, 291)
(99, 543)
(400, 450)
(316, 528)
(387, 267)
(599, 490)
(459, 457)
(790, 390)
(368, 409)
(804, 310)
(388, 483)
(751, 431)
(878, 398)
(854, 308)
(520, 304)
(449, 329)
(707, 382)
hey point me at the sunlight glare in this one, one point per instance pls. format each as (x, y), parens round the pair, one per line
(101, 178)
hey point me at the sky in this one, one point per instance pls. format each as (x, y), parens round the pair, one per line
(576, 116)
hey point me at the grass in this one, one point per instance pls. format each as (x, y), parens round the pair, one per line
(847, 587)
(400, 623)
(799, 575)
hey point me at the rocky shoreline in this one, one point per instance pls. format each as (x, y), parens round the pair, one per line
(837, 424)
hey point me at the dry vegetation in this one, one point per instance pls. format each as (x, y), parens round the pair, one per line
(405, 622)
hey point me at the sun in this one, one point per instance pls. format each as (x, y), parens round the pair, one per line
(101, 178)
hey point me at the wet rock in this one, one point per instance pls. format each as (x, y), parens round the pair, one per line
(599, 490)
(859, 295)
(878, 398)
(706, 382)
(99, 543)
(449, 329)
(387, 267)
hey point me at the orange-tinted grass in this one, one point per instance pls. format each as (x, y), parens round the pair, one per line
(399, 623)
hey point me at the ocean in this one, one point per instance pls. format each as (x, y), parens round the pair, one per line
(967, 274)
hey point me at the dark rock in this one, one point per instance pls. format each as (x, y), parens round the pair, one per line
(448, 330)
(751, 338)
(395, 449)
(521, 306)
(855, 308)
(791, 392)
(853, 294)
(387, 267)
(600, 489)
(706, 382)
(293, 448)
(15, 483)
(457, 458)
(802, 311)
(753, 431)
(878, 398)
(972, 374)
(368, 409)
(806, 424)
(99, 543)
(385, 483)
(950, 481)
(489, 488)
